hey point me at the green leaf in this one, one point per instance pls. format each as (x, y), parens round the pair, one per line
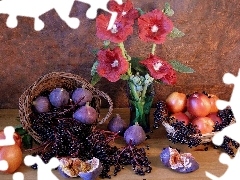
(27, 141)
(95, 79)
(140, 11)
(178, 66)
(106, 44)
(167, 10)
(176, 33)
(137, 66)
(124, 77)
(20, 130)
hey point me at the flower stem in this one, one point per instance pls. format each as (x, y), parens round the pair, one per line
(133, 91)
(122, 47)
(154, 48)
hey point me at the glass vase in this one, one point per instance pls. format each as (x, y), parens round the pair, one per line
(140, 108)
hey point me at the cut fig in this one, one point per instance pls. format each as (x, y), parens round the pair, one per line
(183, 163)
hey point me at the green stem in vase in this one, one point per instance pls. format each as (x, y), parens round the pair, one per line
(133, 91)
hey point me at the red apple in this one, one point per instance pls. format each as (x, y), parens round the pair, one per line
(214, 116)
(204, 124)
(176, 102)
(180, 116)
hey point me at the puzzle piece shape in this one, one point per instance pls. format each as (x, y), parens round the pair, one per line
(36, 8)
(233, 167)
(231, 131)
(92, 11)
(18, 176)
(8, 132)
(44, 170)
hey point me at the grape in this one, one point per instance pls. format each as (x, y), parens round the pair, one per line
(80, 96)
(59, 97)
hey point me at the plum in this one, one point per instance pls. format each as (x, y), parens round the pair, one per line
(117, 124)
(134, 135)
(81, 95)
(59, 97)
(86, 114)
(183, 163)
(42, 104)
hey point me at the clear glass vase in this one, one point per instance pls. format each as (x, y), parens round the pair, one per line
(140, 108)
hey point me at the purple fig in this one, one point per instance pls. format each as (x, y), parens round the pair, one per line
(86, 114)
(59, 97)
(183, 163)
(134, 135)
(117, 124)
(94, 172)
(42, 104)
(81, 95)
(71, 167)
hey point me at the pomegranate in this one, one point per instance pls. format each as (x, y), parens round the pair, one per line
(13, 155)
(176, 102)
(204, 124)
(214, 116)
(213, 98)
(180, 116)
(198, 104)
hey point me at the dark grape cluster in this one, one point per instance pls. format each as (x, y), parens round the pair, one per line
(185, 134)
(228, 144)
(160, 114)
(63, 136)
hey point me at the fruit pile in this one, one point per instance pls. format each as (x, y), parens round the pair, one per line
(66, 125)
(187, 118)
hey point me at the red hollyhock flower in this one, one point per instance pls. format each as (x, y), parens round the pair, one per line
(118, 33)
(170, 78)
(111, 64)
(125, 10)
(154, 26)
(160, 69)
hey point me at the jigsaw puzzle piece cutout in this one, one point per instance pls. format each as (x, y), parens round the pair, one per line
(3, 165)
(233, 167)
(9, 140)
(18, 176)
(232, 131)
(36, 8)
(92, 11)
(44, 170)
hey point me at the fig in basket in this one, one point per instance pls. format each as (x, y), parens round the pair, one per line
(42, 104)
(183, 163)
(59, 97)
(81, 95)
(86, 114)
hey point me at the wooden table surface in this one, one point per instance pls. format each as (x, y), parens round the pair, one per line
(208, 160)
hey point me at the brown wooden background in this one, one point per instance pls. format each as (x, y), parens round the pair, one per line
(211, 47)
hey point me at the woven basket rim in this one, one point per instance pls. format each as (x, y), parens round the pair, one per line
(25, 100)
(207, 137)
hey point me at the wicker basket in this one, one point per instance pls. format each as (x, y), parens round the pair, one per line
(205, 138)
(49, 82)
